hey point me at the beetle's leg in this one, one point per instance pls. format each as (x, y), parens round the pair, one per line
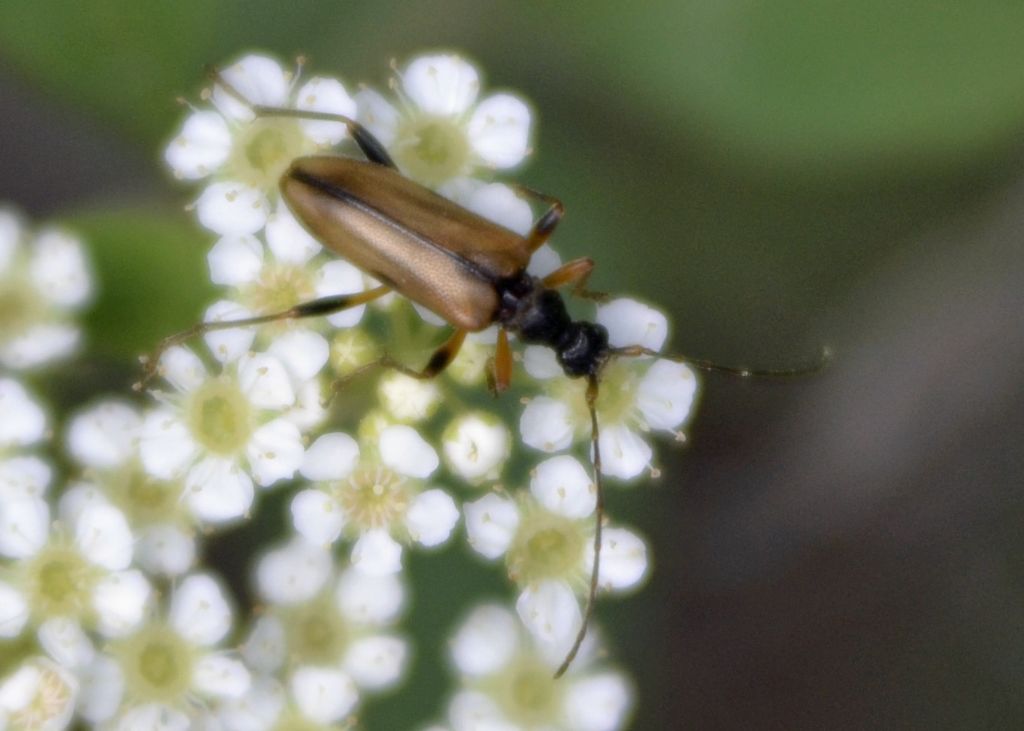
(576, 273)
(634, 351)
(499, 367)
(595, 571)
(313, 308)
(544, 225)
(372, 147)
(440, 360)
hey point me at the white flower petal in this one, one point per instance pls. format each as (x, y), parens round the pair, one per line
(287, 238)
(221, 677)
(369, 600)
(120, 602)
(13, 611)
(666, 394)
(476, 446)
(165, 549)
(235, 260)
(232, 209)
(293, 573)
(182, 368)
(405, 451)
(22, 421)
(551, 612)
(323, 694)
(199, 610)
(546, 424)
(257, 710)
(165, 445)
(624, 453)
(102, 689)
(59, 268)
(303, 352)
(217, 490)
(321, 94)
(544, 261)
(441, 84)
(153, 717)
(66, 642)
(340, 277)
(491, 524)
(376, 662)
(265, 381)
(259, 79)
(275, 452)
(501, 204)
(563, 486)
(24, 526)
(267, 645)
(431, 517)
(202, 146)
(39, 684)
(105, 435)
(623, 559)
(408, 399)
(598, 702)
(377, 554)
(24, 477)
(377, 115)
(486, 641)
(103, 537)
(499, 130)
(317, 516)
(632, 323)
(331, 457)
(229, 345)
(38, 345)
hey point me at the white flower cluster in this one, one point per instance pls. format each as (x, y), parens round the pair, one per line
(107, 615)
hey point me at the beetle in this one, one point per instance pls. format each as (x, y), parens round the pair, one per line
(461, 266)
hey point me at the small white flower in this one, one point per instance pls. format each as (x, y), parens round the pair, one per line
(244, 157)
(508, 682)
(407, 399)
(441, 133)
(76, 570)
(174, 660)
(476, 446)
(44, 280)
(637, 395)
(547, 540)
(376, 498)
(332, 638)
(221, 433)
(39, 695)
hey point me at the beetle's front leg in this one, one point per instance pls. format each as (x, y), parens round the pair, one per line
(372, 147)
(545, 225)
(576, 273)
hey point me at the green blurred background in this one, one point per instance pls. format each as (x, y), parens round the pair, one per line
(843, 552)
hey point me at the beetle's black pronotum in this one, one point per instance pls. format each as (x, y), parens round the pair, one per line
(465, 268)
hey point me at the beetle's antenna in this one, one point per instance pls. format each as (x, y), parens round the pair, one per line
(824, 358)
(595, 437)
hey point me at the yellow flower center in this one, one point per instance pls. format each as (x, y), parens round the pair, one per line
(432, 150)
(220, 417)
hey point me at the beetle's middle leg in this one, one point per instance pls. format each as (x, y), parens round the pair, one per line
(313, 308)
(545, 225)
(576, 273)
(441, 359)
(372, 147)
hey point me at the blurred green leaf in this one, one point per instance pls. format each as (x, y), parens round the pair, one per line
(152, 279)
(818, 83)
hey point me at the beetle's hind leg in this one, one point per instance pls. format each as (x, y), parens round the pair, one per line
(441, 359)
(372, 147)
(313, 308)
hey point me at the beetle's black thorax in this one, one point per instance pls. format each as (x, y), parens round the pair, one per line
(537, 315)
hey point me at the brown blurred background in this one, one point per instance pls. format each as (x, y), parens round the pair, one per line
(841, 552)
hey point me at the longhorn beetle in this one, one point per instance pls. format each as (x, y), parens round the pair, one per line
(461, 266)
